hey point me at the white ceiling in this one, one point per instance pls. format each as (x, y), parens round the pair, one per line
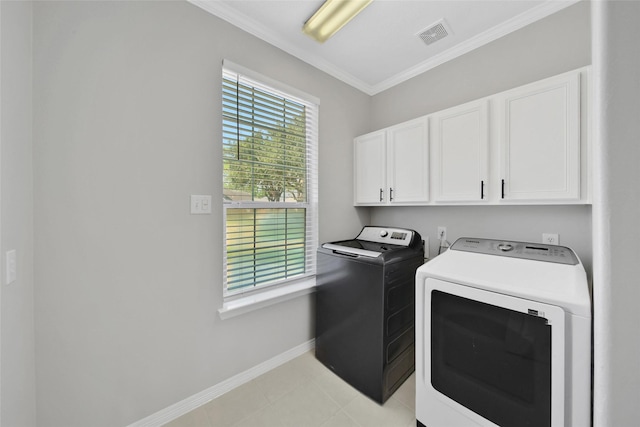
(380, 48)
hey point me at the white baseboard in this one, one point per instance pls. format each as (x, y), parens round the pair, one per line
(190, 403)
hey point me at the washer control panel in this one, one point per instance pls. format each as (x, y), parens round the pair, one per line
(392, 236)
(523, 250)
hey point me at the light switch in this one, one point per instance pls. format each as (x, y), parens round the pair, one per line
(200, 204)
(205, 205)
(11, 267)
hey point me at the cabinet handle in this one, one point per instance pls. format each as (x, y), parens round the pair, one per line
(381, 194)
(390, 194)
(481, 190)
(503, 188)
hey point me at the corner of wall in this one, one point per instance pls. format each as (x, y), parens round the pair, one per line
(17, 336)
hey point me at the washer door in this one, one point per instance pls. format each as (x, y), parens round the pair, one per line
(491, 358)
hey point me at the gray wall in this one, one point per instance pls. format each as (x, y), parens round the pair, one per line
(127, 124)
(558, 43)
(616, 212)
(17, 324)
(555, 44)
(520, 223)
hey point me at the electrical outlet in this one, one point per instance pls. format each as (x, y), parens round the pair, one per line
(426, 247)
(442, 233)
(550, 238)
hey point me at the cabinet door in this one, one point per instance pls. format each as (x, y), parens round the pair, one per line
(408, 162)
(459, 138)
(369, 166)
(540, 140)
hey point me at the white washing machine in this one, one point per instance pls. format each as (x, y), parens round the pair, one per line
(503, 337)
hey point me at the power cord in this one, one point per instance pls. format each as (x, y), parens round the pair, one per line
(444, 244)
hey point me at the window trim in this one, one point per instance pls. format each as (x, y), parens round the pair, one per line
(244, 299)
(270, 83)
(244, 303)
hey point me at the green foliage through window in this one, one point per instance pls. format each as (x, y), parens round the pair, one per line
(264, 145)
(266, 164)
(264, 245)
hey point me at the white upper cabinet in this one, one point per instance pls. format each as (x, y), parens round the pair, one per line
(528, 145)
(370, 163)
(408, 162)
(392, 165)
(540, 140)
(459, 138)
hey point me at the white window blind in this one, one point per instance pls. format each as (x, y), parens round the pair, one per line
(269, 143)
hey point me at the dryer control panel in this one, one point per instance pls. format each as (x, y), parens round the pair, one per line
(523, 250)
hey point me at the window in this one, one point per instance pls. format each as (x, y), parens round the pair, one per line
(269, 143)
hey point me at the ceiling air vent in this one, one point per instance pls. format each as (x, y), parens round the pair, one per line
(434, 32)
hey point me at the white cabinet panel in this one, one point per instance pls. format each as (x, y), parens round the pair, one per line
(540, 140)
(460, 154)
(370, 168)
(528, 145)
(392, 165)
(407, 162)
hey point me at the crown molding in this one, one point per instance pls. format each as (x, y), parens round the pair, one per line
(255, 28)
(520, 21)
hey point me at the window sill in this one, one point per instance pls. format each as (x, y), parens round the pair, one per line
(246, 304)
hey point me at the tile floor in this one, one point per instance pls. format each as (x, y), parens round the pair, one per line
(302, 393)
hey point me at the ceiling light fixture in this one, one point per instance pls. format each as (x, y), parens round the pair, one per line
(332, 15)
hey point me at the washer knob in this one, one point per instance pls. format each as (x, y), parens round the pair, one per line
(505, 247)
(384, 233)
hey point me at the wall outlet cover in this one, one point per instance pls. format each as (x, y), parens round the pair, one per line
(442, 233)
(200, 204)
(426, 247)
